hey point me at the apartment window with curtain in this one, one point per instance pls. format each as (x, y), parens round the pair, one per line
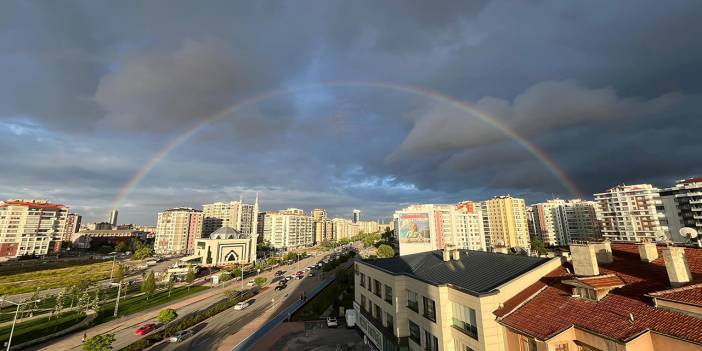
(377, 287)
(388, 294)
(464, 319)
(414, 333)
(429, 309)
(412, 301)
(431, 342)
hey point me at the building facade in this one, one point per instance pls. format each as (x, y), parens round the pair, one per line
(112, 218)
(558, 222)
(429, 227)
(235, 214)
(631, 213)
(440, 300)
(288, 228)
(356, 216)
(72, 226)
(177, 230)
(682, 205)
(505, 222)
(226, 246)
(31, 227)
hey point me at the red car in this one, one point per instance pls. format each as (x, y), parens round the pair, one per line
(145, 329)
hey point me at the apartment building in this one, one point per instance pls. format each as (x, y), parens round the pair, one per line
(319, 214)
(288, 228)
(429, 227)
(631, 213)
(505, 222)
(368, 226)
(72, 226)
(618, 296)
(343, 228)
(323, 230)
(356, 216)
(682, 205)
(558, 222)
(441, 300)
(235, 214)
(177, 230)
(31, 227)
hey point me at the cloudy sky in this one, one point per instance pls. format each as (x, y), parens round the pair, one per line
(342, 105)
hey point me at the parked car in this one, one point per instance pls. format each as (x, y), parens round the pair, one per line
(280, 287)
(332, 322)
(180, 336)
(145, 329)
(310, 274)
(279, 273)
(250, 283)
(242, 305)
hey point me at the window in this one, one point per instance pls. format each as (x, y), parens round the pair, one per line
(527, 344)
(370, 287)
(363, 302)
(377, 312)
(562, 347)
(363, 280)
(377, 287)
(412, 302)
(388, 294)
(389, 321)
(429, 309)
(431, 342)
(414, 333)
(464, 319)
(459, 346)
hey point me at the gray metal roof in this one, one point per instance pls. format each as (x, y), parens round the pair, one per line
(227, 233)
(476, 272)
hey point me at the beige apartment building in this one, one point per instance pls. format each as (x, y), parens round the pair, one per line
(630, 213)
(31, 227)
(505, 221)
(343, 228)
(72, 226)
(235, 214)
(289, 228)
(177, 230)
(441, 300)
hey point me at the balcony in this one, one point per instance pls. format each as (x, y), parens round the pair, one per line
(398, 343)
(465, 328)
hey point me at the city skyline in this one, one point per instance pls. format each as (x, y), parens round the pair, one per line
(352, 107)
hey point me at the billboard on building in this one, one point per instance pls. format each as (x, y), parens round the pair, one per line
(414, 233)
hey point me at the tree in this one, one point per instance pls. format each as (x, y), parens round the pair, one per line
(224, 276)
(149, 285)
(236, 273)
(118, 274)
(122, 246)
(142, 253)
(538, 246)
(166, 316)
(99, 343)
(170, 285)
(385, 251)
(260, 281)
(190, 276)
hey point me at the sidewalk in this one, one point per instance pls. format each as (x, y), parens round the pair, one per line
(272, 337)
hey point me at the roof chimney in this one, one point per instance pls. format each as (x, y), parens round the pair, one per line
(447, 254)
(648, 252)
(603, 251)
(584, 259)
(676, 265)
(455, 255)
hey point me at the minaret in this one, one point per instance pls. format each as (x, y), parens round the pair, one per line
(237, 225)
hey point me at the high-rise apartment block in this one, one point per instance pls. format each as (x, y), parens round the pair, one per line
(177, 230)
(319, 214)
(235, 214)
(356, 216)
(558, 222)
(683, 207)
(430, 227)
(505, 221)
(72, 226)
(631, 213)
(112, 218)
(31, 227)
(288, 228)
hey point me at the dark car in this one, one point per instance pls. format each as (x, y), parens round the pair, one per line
(279, 273)
(280, 287)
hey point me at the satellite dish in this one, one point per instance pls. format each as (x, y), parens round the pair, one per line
(688, 232)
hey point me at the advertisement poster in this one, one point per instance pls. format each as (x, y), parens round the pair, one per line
(414, 228)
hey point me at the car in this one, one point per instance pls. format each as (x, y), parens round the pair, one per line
(280, 287)
(279, 273)
(332, 322)
(179, 336)
(310, 274)
(242, 305)
(300, 273)
(250, 283)
(145, 329)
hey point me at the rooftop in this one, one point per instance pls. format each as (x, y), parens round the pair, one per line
(551, 308)
(31, 204)
(476, 272)
(227, 233)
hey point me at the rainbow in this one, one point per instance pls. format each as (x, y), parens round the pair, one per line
(539, 154)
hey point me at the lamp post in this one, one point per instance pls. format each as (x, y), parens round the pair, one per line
(242, 278)
(14, 321)
(119, 292)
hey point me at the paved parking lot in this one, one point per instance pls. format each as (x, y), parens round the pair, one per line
(315, 336)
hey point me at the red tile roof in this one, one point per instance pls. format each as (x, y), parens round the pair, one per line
(602, 281)
(44, 205)
(553, 309)
(691, 295)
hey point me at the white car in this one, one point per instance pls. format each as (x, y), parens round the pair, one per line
(241, 305)
(179, 336)
(250, 283)
(331, 322)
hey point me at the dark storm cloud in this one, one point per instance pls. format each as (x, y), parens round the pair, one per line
(611, 91)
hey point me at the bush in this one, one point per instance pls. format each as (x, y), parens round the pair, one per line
(385, 251)
(166, 316)
(99, 343)
(142, 253)
(260, 281)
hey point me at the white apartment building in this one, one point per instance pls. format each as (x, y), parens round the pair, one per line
(558, 222)
(235, 214)
(368, 226)
(288, 228)
(31, 227)
(343, 228)
(428, 227)
(631, 213)
(177, 230)
(682, 205)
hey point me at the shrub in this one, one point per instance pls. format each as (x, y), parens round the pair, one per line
(166, 316)
(99, 343)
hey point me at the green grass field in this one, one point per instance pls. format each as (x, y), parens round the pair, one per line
(32, 329)
(140, 303)
(53, 278)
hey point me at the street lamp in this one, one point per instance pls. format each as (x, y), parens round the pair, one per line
(9, 341)
(119, 292)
